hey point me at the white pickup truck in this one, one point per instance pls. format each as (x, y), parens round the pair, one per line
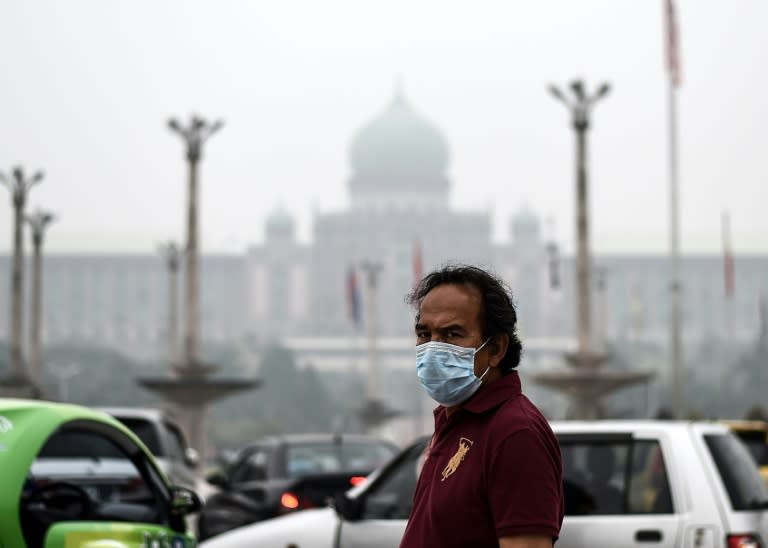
(627, 484)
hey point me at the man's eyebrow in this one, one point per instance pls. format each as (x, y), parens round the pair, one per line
(443, 329)
(452, 327)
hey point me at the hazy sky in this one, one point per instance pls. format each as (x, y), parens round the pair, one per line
(87, 87)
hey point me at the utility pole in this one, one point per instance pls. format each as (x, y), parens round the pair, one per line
(19, 186)
(38, 222)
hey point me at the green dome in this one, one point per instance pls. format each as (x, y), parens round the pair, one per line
(400, 147)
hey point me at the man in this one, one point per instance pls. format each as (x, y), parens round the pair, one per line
(492, 475)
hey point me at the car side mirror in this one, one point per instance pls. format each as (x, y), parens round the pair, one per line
(349, 509)
(191, 457)
(184, 500)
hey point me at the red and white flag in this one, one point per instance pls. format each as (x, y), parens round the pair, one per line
(353, 297)
(672, 43)
(728, 272)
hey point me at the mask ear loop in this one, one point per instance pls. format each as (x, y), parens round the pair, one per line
(479, 348)
(480, 378)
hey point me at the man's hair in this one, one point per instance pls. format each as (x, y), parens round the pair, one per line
(497, 312)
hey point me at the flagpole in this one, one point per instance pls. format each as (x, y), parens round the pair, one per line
(728, 281)
(675, 284)
(353, 311)
(372, 269)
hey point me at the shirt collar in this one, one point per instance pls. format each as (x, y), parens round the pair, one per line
(488, 396)
(492, 394)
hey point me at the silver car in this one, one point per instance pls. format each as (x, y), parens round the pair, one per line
(163, 437)
(626, 483)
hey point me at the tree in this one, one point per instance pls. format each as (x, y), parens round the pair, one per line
(291, 400)
(757, 413)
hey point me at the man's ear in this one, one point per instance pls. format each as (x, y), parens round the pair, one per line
(497, 349)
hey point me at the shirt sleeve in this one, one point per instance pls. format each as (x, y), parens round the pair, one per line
(525, 485)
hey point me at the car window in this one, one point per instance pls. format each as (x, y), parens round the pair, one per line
(741, 479)
(757, 445)
(252, 466)
(80, 444)
(146, 432)
(91, 461)
(614, 477)
(176, 442)
(317, 458)
(391, 497)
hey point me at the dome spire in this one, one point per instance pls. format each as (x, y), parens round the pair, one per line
(399, 96)
(280, 225)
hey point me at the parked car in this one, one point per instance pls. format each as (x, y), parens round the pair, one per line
(161, 434)
(754, 434)
(282, 474)
(72, 476)
(626, 484)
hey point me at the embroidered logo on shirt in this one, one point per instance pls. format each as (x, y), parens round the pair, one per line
(453, 464)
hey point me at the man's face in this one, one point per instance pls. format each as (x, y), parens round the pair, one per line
(451, 313)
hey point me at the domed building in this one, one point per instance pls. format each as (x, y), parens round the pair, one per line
(399, 219)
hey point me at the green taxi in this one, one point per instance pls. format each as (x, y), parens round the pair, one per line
(72, 477)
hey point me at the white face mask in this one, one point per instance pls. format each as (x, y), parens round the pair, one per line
(447, 371)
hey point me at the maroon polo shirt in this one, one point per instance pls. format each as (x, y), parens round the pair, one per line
(493, 469)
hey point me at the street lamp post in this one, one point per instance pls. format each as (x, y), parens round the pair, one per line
(191, 387)
(63, 373)
(194, 135)
(171, 254)
(374, 412)
(38, 222)
(587, 381)
(580, 105)
(372, 270)
(19, 185)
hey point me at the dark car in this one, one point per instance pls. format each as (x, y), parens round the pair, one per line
(281, 474)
